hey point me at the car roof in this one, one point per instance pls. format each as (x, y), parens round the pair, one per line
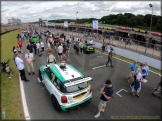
(65, 75)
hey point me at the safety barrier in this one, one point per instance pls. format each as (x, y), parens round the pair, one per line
(132, 55)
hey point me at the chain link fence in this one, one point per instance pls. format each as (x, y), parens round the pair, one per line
(144, 48)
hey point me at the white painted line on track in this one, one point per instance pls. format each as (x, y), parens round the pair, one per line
(120, 91)
(39, 80)
(99, 56)
(23, 99)
(125, 61)
(98, 67)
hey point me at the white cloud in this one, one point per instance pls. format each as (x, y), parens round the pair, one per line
(31, 11)
(47, 9)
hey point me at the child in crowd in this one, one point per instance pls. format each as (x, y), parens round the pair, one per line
(8, 70)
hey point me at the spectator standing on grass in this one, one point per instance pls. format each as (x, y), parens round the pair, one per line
(20, 45)
(20, 66)
(30, 47)
(8, 70)
(110, 57)
(29, 60)
(19, 50)
(132, 69)
(51, 58)
(106, 93)
(60, 51)
(14, 49)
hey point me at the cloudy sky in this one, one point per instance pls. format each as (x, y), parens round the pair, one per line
(31, 11)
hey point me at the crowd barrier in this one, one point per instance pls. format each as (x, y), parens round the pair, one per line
(132, 55)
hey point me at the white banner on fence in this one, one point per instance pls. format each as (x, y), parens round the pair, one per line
(65, 23)
(53, 24)
(95, 24)
(46, 22)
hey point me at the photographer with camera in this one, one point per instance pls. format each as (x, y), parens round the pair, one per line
(106, 93)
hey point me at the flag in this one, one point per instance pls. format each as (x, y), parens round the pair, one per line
(65, 23)
(53, 24)
(95, 24)
(46, 23)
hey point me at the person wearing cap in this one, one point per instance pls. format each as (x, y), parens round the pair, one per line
(110, 57)
(106, 93)
(132, 69)
(137, 85)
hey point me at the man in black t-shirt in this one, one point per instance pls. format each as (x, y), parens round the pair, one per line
(106, 93)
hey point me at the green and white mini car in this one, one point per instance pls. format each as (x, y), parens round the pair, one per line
(34, 39)
(68, 88)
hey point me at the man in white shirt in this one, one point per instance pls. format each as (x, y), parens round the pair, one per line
(20, 66)
(42, 46)
(51, 58)
(91, 42)
(38, 46)
(60, 50)
(29, 60)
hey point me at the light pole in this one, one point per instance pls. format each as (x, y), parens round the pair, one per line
(76, 16)
(76, 19)
(151, 6)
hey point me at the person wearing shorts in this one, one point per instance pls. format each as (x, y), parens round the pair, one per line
(106, 93)
(60, 51)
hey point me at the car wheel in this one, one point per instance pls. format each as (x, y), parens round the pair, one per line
(40, 75)
(55, 103)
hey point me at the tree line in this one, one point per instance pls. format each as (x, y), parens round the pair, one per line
(126, 19)
(131, 20)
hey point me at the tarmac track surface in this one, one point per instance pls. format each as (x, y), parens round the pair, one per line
(40, 105)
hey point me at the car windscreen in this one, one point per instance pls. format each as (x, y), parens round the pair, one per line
(75, 88)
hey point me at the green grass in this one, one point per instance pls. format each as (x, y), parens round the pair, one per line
(10, 89)
(130, 61)
(10, 28)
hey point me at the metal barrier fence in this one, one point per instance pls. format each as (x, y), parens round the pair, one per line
(144, 48)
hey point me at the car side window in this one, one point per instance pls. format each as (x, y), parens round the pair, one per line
(50, 74)
(58, 84)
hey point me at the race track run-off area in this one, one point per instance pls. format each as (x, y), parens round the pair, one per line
(123, 105)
